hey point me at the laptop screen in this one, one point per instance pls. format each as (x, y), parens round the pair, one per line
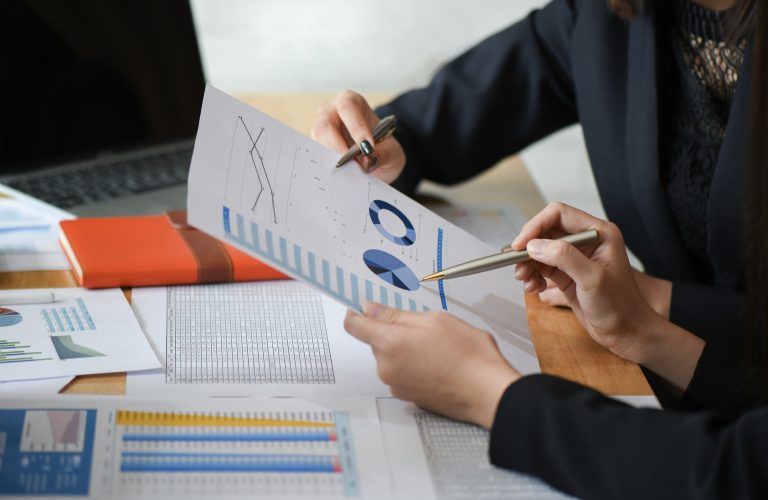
(81, 77)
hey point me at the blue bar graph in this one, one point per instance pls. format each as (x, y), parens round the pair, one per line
(368, 291)
(270, 250)
(326, 275)
(355, 292)
(340, 280)
(297, 259)
(303, 436)
(226, 462)
(312, 270)
(283, 250)
(344, 286)
(440, 287)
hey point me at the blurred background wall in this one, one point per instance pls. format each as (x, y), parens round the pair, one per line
(325, 46)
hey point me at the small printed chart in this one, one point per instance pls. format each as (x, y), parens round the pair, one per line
(389, 268)
(9, 317)
(66, 348)
(14, 351)
(71, 318)
(54, 431)
(379, 206)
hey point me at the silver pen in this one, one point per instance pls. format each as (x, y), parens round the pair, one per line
(505, 258)
(381, 131)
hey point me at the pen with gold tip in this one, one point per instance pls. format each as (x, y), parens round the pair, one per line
(381, 131)
(504, 259)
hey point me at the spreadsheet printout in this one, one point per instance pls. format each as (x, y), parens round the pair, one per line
(192, 448)
(280, 338)
(275, 194)
(435, 457)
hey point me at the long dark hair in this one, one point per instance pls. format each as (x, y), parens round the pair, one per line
(756, 242)
(746, 18)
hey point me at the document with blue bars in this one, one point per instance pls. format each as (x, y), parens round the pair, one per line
(274, 193)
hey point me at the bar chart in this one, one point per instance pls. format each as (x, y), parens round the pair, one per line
(346, 287)
(71, 317)
(271, 452)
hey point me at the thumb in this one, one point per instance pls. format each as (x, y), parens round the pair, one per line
(563, 256)
(389, 314)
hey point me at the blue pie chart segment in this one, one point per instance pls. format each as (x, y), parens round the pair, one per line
(406, 239)
(9, 317)
(391, 269)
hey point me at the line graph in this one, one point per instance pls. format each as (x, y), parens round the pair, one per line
(256, 157)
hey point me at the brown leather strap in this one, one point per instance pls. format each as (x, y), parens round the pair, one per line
(213, 262)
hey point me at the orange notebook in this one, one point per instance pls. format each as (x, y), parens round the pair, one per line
(153, 250)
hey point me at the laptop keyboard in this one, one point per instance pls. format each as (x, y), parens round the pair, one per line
(80, 186)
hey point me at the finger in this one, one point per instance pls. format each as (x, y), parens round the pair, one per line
(535, 284)
(391, 315)
(356, 115)
(525, 270)
(553, 297)
(359, 327)
(328, 131)
(563, 284)
(556, 220)
(563, 256)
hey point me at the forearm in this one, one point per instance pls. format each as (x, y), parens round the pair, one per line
(593, 447)
(666, 349)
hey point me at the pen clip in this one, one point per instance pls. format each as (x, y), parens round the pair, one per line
(384, 128)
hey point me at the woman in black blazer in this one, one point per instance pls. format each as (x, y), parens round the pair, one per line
(577, 440)
(572, 437)
(662, 99)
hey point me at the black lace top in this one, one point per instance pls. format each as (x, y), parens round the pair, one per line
(698, 76)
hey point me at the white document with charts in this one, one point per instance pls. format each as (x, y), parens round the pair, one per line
(82, 332)
(275, 194)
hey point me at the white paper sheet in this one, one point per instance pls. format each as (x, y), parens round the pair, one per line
(29, 232)
(84, 331)
(273, 338)
(192, 448)
(275, 194)
(34, 387)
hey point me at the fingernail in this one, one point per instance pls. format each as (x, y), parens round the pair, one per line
(372, 309)
(366, 148)
(506, 248)
(536, 248)
(518, 273)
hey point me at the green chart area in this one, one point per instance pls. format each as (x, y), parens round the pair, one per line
(66, 348)
(12, 351)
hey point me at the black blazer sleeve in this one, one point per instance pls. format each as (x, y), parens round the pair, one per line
(502, 95)
(591, 446)
(707, 311)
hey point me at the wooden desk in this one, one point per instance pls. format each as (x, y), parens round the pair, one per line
(563, 347)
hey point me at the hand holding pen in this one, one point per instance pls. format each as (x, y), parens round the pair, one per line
(348, 124)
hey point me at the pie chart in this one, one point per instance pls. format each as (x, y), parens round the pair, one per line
(9, 317)
(374, 211)
(391, 269)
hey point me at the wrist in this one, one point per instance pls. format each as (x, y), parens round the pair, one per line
(490, 395)
(656, 292)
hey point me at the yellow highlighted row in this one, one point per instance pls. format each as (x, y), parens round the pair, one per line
(125, 417)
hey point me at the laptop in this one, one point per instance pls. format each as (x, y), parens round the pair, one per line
(99, 103)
